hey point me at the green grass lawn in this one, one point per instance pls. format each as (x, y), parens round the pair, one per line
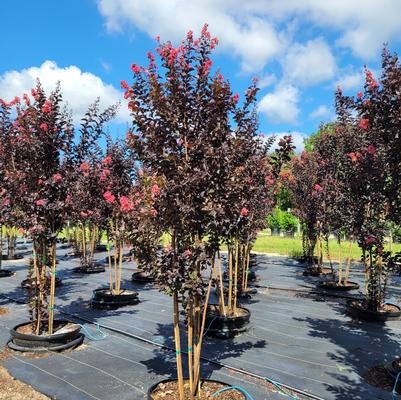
(293, 246)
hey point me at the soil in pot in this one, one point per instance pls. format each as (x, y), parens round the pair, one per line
(92, 268)
(358, 309)
(5, 273)
(142, 277)
(27, 283)
(226, 327)
(66, 335)
(168, 390)
(380, 377)
(315, 271)
(333, 285)
(104, 299)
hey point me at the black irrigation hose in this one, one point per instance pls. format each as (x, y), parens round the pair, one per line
(217, 363)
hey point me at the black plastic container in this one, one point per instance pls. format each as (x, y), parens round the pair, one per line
(356, 309)
(102, 298)
(43, 343)
(225, 327)
(5, 273)
(332, 285)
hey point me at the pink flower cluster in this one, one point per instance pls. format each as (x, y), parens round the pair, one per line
(244, 212)
(364, 124)
(125, 204)
(46, 108)
(109, 197)
(355, 156)
(155, 190)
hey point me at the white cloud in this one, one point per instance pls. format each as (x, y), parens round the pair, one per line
(266, 80)
(258, 30)
(321, 112)
(242, 32)
(281, 106)
(309, 64)
(80, 89)
(351, 80)
(362, 25)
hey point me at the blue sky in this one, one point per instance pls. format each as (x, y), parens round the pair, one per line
(300, 50)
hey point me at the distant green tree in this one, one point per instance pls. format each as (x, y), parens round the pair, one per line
(310, 140)
(282, 220)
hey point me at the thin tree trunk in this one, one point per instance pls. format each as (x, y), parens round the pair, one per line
(1, 246)
(236, 276)
(348, 263)
(52, 288)
(230, 280)
(177, 340)
(223, 307)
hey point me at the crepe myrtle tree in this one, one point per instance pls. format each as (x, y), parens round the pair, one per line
(5, 165)
(333, 192)
(184, 129)
(88, 174)
(251, 184)
(87, 213)
(116, 179)
(305, 195)
(144, 228)
(38, 188)
(373, 117)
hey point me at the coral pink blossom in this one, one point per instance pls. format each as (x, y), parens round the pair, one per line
(84, 166)
(125, 204)
(109, 197)
(40, 181)
(57, 178)
(317, 187)
(40, 202)
(364, 123)
(44, 126)
(107, 160)
(236, 98)
(153, 212)
(155, 190)
(371, 149)
(124, 85)
(135, 69)
(359, 95)
(244, 212)
(355, 156)
(46, 108)
(83, 214)
(34, 92)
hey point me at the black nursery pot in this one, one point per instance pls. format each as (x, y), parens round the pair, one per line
(226, 327)
(142, 277)
(5, 273)
(16, 257)
(311, 271)
(357, 309)
(27, 283)
(66, 336)
(101, 247)
(332, 285)
(90, 269)
(204, 382)
(103, 299)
